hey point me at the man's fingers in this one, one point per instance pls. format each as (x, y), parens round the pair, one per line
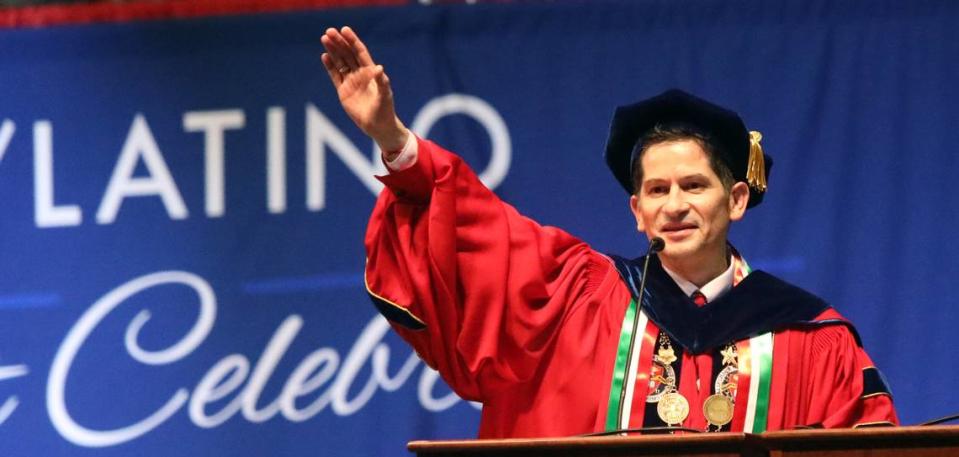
(382, 81)
(331, 70)
(380, 75)
(345, 51)
(332, 51)
(363, 56)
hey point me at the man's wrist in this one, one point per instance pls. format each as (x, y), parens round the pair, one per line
(404, 158)
(391, 144)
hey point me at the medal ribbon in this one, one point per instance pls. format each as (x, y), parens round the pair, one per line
(755, 370)
(614, 408)
(644, 369)
(629, 367)
(744, 374)
(757, 409)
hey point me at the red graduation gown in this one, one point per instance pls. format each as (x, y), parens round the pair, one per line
(526, 318)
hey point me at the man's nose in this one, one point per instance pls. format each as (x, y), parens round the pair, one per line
(675, 202)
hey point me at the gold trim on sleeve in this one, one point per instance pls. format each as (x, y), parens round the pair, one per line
(366, 283)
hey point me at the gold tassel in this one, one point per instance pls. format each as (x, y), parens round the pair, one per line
(756, 170)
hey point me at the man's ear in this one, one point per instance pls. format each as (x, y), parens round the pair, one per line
(637, 213)
(738, 200)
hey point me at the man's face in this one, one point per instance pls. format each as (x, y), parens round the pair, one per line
(682, 200)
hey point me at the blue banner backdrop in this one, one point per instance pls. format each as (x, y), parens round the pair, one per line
(183, 202)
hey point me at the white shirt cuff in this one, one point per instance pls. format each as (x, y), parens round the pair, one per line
(407, 156)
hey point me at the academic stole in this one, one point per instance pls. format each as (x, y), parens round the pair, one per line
(631, 386)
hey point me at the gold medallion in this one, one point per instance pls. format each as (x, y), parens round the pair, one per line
(726, 382)
(666, 355)
(662, 380)
(718, 410)
(729, 355)
(672, 408)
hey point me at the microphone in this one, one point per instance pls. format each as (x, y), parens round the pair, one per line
(656, 244)
(941, 420)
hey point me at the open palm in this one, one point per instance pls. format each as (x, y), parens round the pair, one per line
(363, 87)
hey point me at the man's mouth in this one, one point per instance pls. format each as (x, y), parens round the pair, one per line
(677, 229)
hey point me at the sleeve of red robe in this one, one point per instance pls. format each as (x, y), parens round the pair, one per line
(476, 288)
(844, 394)
(837, 384)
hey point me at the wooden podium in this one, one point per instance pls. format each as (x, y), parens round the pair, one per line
(940, 441)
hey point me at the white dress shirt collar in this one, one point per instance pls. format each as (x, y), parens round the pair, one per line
(713, 289)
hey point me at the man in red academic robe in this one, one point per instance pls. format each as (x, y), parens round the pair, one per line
(554, 338)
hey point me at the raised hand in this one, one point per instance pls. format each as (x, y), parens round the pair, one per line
(363, 88)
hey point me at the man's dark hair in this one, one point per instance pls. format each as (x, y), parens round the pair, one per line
(661, 133)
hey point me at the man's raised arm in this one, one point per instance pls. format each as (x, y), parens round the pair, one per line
(476, 288)
(364, 89)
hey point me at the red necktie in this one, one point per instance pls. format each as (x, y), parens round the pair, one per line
(695, 381)
(698, 298)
